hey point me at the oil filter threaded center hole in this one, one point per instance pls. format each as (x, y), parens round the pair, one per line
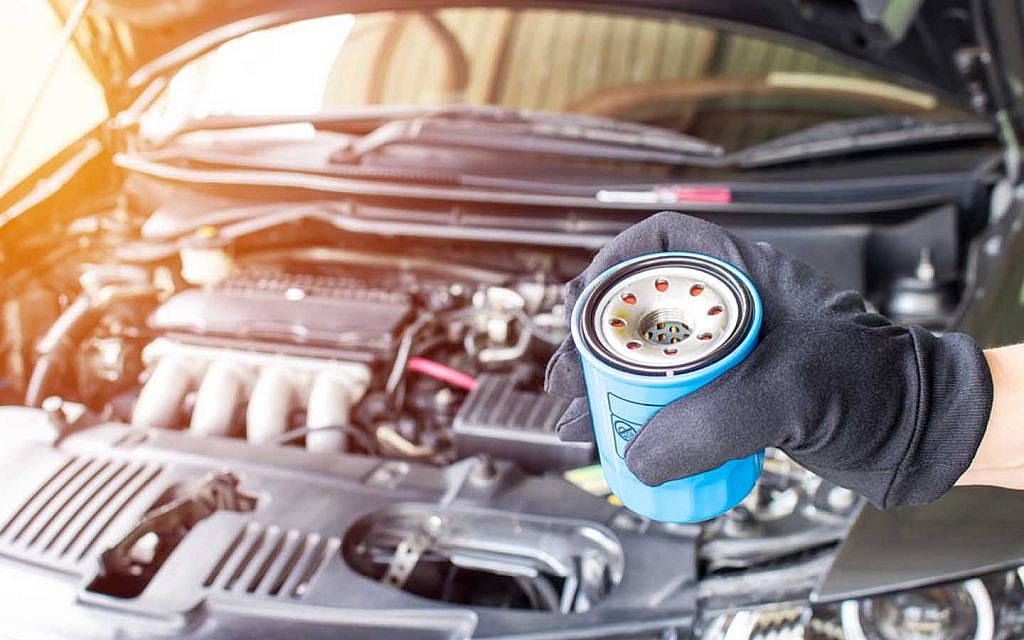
(664, 327)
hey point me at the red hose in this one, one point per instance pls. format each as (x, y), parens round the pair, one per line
(444, 373)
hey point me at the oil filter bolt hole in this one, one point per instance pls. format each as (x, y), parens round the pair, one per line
(696, 289)
(618, 323)
(664, 328)
(661, 284)
(633, 345)
(715, 310)
(629, 298)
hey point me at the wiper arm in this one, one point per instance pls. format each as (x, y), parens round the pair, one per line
(870, 134)
(574, 125)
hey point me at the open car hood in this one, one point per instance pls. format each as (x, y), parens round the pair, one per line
(935, 45)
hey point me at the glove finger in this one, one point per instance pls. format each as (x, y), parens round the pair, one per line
(670, 446)
(731, 417)
(652, 235)
(564, 374)
(575, 425)
(572, 289)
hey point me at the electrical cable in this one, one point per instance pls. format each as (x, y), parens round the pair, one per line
(442, 372)
(361, 438)
(404, 350)
(533, 329)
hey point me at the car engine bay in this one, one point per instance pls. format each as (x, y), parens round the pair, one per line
(298, 424)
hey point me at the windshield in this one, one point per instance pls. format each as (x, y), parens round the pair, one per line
(730, 89)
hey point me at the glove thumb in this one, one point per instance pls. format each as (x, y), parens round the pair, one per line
(575, 424)
(564, 374)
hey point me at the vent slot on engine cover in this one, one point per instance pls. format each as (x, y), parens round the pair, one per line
(64, 519)
(268, 561)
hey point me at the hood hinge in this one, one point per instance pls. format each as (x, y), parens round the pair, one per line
(974, 63)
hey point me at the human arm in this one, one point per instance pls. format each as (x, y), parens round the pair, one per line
(999, 460)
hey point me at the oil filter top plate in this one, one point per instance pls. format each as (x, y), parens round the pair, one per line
(667, 316)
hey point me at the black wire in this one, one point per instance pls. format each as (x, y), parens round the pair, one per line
(56, 346)
(361, 438)
(448, 584)
(427, 345)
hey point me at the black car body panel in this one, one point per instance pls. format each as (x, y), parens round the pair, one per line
(915, 39)
(968, 532)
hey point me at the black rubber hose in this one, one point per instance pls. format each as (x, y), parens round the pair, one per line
(55, 345)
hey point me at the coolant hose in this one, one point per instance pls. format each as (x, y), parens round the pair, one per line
(62, 334)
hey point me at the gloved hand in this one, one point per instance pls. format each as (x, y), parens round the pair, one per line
(893, 413)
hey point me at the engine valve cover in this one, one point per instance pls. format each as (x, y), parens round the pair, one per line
(286, 308)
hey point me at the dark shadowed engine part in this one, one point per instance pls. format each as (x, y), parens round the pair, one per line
(499, 419)
(455, 555)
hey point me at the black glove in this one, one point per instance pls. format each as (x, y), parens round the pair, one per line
(893, 413)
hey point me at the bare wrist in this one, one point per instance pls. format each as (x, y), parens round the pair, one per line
(999, 459)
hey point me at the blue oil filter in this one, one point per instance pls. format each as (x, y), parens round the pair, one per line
(649, 331)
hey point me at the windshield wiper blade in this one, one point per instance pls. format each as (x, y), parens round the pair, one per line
(869, 134)
(359, 120)
(542, 134)
(574, 126)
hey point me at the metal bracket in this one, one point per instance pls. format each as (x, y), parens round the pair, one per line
(410, 550)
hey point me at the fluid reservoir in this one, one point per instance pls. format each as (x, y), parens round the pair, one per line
(205, 258)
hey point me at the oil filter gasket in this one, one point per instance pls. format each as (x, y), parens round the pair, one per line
(649, 331)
